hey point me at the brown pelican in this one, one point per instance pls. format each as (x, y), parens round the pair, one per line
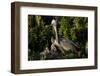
(61, 43)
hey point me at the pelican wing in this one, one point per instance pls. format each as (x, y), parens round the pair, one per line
(66, 44)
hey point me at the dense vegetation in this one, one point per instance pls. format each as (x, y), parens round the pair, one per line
(40, 33)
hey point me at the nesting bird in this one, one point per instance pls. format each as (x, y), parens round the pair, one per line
(61, 43)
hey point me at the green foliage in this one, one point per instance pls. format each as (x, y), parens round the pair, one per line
(63, 28)
(39, 36)
(40, 33)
